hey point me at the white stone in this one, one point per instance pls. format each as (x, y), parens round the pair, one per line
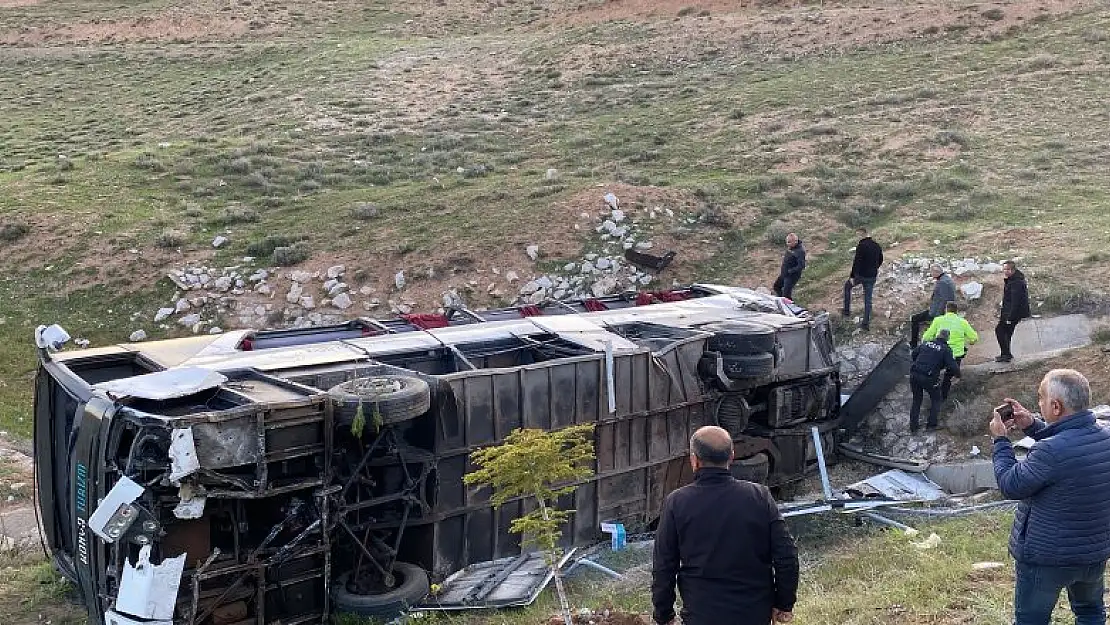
(265, 289)
(544, 282)
(644, 245)
(972, 290)
(570, 267)
(603, 263)
(260, 310)
(137, 336)
(219, 241)
(604, 286)
(336, 289)
(366, 290)
(336, 270)
(182, 305)
(551, 174)
(163, 313)
(259, 275)
(300, 275)
(295, 292)
(533, 251)
(529, 288)
(223, 284)
(215, 330)
(617, 216)
(588, 267)
(307, 302)
(399, 280)
(330, 283)
(342, 301)
(511, 277)
(537, 298)
(189, 320)
(612, 201)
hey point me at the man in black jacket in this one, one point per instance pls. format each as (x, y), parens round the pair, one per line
(865, 269)
(793, 262)
(725, 543)
(1015, 307)
(929, 360)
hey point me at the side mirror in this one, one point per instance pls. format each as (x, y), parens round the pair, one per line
(51, 338)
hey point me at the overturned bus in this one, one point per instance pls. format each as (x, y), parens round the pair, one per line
(280, 476)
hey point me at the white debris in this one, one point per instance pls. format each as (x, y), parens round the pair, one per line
(182, 305)
(533, 251)
(215, 330)
(219, 241)
(972, 290)
(399, 280)
(149, 590)
(183, 454)
(137, 335)
(511, 277)
(163, 313)
(617, 215)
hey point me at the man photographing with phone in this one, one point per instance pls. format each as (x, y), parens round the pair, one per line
(1061, 533)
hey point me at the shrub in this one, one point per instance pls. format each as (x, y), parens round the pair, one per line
(776, 232)
(13, 231)
(170, 239)
(266, 246)
(365, 211)
(291, 255)
(235, 215)
(148, 161)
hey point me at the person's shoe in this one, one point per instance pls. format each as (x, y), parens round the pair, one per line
(1003, 358)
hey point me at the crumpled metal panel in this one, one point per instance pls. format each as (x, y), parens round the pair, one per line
(506, 582)
(900, 485)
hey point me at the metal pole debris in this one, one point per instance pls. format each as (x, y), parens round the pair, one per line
(826, 487)
(885, 521)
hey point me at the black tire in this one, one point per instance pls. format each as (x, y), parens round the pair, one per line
(738, 337)
(411, 590)
(743, 366)
(733, 413)
(397, 398)
(755, 469)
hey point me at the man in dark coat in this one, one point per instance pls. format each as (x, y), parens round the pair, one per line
(929, 360)
(944, 291)
(1061, 533)
(1015, 307)
(865, 270)
(793, 262)
(725, 543)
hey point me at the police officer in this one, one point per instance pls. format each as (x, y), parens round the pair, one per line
(929, 359)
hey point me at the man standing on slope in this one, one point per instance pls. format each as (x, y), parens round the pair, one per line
(944, 291)
(726, 545)
(1015, 307)
(865, 269)
(960, 335)
(1061, 533)
(793, 262)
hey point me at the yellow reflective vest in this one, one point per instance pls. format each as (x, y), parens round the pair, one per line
(960, 332)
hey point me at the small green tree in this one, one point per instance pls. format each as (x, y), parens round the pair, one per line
(541, 465)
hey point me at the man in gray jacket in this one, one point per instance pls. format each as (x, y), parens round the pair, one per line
(944, 291)
(1061, 533)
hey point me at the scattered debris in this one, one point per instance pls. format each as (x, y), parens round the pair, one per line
(219, 241)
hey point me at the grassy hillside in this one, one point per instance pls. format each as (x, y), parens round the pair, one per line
(420, 136)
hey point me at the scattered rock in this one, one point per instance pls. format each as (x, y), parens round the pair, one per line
(189, 320)
(612, 201)
(163, 313)
(219, 241)
(182, 305)
(300, 276)
(552, 174)
(307, 302)
(137, 336)
(399, 280)
(295, 292)
(215, 330)
(342, 301)
(511, 277)
(533, 251)
(335, 271)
